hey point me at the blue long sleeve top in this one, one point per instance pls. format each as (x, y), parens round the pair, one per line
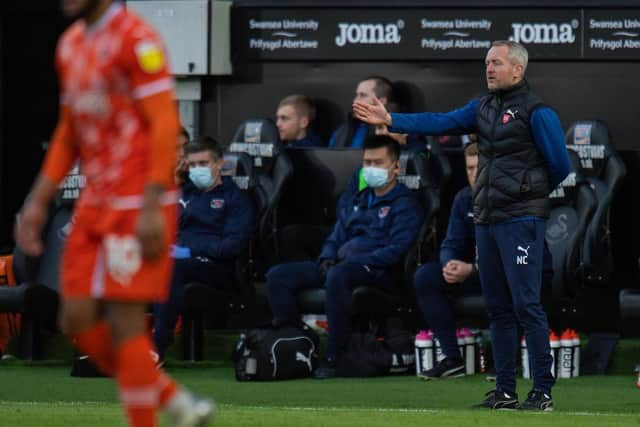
(460, 241)
(545, 127)
(374, 231)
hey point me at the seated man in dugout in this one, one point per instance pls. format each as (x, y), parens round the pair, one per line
(215, 224)
(455, 274)
(294, 119)
(370, 239)
(353, 132)
(302, 242)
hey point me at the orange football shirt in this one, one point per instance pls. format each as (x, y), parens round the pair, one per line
(104, 70)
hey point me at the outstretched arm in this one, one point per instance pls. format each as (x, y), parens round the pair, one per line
(460, 121)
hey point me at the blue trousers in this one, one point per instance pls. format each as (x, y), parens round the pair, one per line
(212, 273)
(434, 299)
(510, 261)
(284, 281)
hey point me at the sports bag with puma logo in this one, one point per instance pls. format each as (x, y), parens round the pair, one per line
(276, 353)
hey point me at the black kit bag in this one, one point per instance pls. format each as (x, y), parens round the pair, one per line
(370, 354)
(276, 353)
(365, 356)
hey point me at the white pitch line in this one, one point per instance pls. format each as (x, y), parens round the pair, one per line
(331, 409)
(415, 410)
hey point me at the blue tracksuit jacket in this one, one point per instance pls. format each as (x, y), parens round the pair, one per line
(460, 241)
(375, 231)
(216, 224)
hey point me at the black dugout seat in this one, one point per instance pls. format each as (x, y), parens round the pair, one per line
(370, 302)
(407, 97)
(573, 205)
(329, 116)
(200, 299)
(272, 170)
(604, 171)
(438, 166)
(35, 295)
(629, 300)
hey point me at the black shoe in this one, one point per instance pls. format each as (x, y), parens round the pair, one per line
(537, 401)
(491, 375)
(327, 369)
(498, 400)
(446, 368)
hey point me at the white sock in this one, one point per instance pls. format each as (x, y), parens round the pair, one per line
(178, 402)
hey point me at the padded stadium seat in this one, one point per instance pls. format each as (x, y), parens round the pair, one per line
(329, 116)
(239, 166)
(441, 164)
(438, 166)
(573, 205)
(199, 298)
(417, 175)
(36, 294)
(258, 138)
(604, 170)
(408, 97)
(374, 303)
(630, 312)
(472, 309)
(272, 170)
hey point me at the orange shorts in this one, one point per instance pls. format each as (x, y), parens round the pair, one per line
(102, 257)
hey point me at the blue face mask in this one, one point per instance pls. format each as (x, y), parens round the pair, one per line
(375, 177)
(201, 177)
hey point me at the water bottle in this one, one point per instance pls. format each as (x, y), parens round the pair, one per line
(576, 354)
(470, 351)
(565, 361)
(482, 359)
(438, 350)
(310, 320)
(461, 346)
(526, 367)
(424, 352)
(554, 343)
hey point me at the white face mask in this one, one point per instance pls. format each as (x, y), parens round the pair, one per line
(201, 177)
(375, 177)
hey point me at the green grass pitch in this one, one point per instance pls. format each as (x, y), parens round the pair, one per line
(48, 396)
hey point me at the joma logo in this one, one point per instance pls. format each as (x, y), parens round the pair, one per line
(544, 33)
(350, 33)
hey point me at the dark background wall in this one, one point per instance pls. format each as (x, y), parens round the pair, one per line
(29, 98)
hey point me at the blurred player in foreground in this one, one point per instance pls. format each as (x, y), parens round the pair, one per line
(118, 118)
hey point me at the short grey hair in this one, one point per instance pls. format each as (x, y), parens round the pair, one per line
(517, 53)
